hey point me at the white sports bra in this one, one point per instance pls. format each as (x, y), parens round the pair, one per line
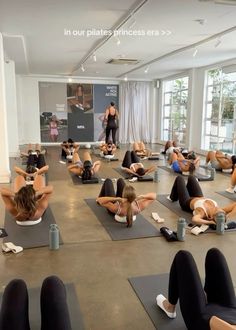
(29, 222)
(200, 203)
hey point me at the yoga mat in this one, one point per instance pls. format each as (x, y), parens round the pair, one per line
(200, 176)
(78, 181)
(29, 236)
(147, 288)
(111, 159)
(72, 302)
(175, 207)
(126, 175)
(141, 227)
(227, 195)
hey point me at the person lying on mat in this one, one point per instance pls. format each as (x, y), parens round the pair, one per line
(69, 147)
(191, 199)
(84, 169)
(179, 164)
(200, 305)
(140, 149)
(131, 164)
(124, 204)
(27, 203)
(170, 146)
(221, 161)
(108, 149)
(35, 165)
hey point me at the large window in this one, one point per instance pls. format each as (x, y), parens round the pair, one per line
(220, 111)
(174, 113)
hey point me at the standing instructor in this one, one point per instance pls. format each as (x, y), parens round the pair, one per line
(111, 118)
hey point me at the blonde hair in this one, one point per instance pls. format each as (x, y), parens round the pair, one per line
(130, 195)
(25, 200)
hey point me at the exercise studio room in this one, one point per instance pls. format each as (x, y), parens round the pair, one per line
(118, 165)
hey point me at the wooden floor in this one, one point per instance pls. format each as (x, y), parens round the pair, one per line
(98, 266)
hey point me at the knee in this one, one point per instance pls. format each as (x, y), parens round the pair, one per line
(120, 182)
(52, 285)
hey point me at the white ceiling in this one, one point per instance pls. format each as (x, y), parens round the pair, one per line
(34, 36)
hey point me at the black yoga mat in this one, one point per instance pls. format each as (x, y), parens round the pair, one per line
(29, 236)
(147, 288)
(141, 227)
(72, 302)
(175, 207)
(227, 195)
(199, 176)
(126, 175)
(78, 181)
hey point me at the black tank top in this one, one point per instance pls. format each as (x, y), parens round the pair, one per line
(111, 121)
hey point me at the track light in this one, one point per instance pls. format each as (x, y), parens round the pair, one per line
(117, 41)
(125, 78)
(218, 42)
(94, 57)
(146, 70)
(82, 68)
(195, 52)
(69, 80)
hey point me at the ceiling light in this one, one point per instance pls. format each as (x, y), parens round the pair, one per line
(125, 78)
(82, 68)
(94, 57)
(195, 52)
(69, 80)
(146, 70)
(117, 41)
(218, 42)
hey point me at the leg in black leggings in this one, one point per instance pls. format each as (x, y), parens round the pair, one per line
(127, 161)
(40, 161)
(218, 282)
(107, 189)
(114, 135)
(185, 285)
(14, 310)
(108, 130)
(134, 157)
(31, 160)
(184, 193)
(54, 309)
(120, 187)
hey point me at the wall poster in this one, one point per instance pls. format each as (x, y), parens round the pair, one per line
(74, 110)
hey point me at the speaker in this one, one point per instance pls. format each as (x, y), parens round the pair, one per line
(157, 83)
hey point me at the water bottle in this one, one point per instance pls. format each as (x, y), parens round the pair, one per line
(220, 223)
(53, 237)
(181, 229)
(213, 171)
(156, 176)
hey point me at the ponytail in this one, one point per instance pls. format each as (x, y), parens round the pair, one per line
(129, 194)
(129, 216)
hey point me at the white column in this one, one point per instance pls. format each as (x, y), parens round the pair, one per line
(4, 157)
(11, 106)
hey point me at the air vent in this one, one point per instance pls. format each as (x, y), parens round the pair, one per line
(123, 61)
(221, 2)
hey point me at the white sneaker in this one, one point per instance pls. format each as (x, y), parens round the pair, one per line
(230, 190)
(168, 197)
(160, 299)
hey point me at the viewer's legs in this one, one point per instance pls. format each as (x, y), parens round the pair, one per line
(14, 309)
(218, 282)
(127, 161)
(185, 285)
(54, 309)
(120, 187)
(107, 189)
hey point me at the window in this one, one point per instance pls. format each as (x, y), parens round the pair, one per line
(220, 111)
(175, 100)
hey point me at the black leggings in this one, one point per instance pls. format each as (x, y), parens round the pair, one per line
(36, 160)
(113, 132)
(198, 305)
(54, 309)
(14, 310)
(108, 188)
(185, 192)
(130, 158)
